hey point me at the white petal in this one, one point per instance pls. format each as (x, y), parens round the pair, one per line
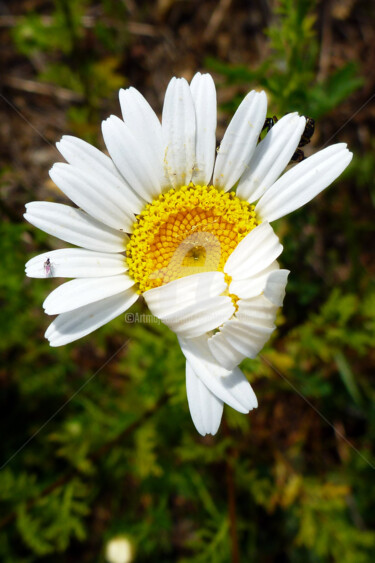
(142, 121)
(76, 263)
(139, 166)
(171, 297)
(231, 387)
(244, 335)
(73, 325)
(303, 182)
(253, 285)
(178, 127)
(102, 200)
(86, 157)
(78, 293)
(204, 96)
(240, 140)
(271, 157)
(205, 408)
(274, 290)
(200, 317)
(257, 311)
(254, 253)
(224, 353)
(271, 282)
(74, 226)
(232, 346)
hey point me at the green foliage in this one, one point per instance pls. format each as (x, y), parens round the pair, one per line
(52, 522)
(289, 73)
(72, 64)
(324, 527)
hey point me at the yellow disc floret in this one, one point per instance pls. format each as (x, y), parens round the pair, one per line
(186, 231)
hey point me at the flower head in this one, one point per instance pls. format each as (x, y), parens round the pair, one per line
(159, 217)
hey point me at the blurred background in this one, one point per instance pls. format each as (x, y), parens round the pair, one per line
(100, 459)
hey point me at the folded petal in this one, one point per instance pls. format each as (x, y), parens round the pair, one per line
(303, 182)
(205, 408)
(199, 318)
(274, 289)
(73, 325)
(253, 285)
(271, 157)
(236, 343)
(258, 250)
(224, 353)
(137, 163)
(245, 334)
(204, 97)
(231, 387)
(74, 226)
(271, 282)
(77, 293)
(258, 311)
(75, 263)
(178, 127)
(87, 158)
(192, 305)
(105, 201)
(173, 296)
(239, 140)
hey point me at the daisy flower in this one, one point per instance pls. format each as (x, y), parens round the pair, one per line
(160, 218)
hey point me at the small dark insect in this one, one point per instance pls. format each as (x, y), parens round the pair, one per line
(298, 156)
(268, 124)
(305, 139)
(48, 268)
(308, 132)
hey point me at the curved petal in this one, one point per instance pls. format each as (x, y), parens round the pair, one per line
(103, 201)
(192, 305)
(232, 346)
(231, 387)
(274, 289)
(239, 140)
(178, 127)
(73, 325)
(205, 408)
(199, 318)
(258, 311)
(142, 121)
(245, 334)
(138, 165)
(204, 97)
(271, 157)
(225, 354)
(253, 285)
(75, 263)
(184, 292)
(74, 226)
(78, 293)
(303, 182)
(88, 158)
(258, 250)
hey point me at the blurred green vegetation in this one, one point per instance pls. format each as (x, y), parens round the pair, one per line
(83, 59)
(289, 72)
(97, 439)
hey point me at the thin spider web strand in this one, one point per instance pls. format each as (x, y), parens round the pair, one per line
(276, 370)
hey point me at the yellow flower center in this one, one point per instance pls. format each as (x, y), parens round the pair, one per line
(186, 231)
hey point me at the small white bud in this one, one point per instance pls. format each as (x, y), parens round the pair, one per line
(119, 550)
